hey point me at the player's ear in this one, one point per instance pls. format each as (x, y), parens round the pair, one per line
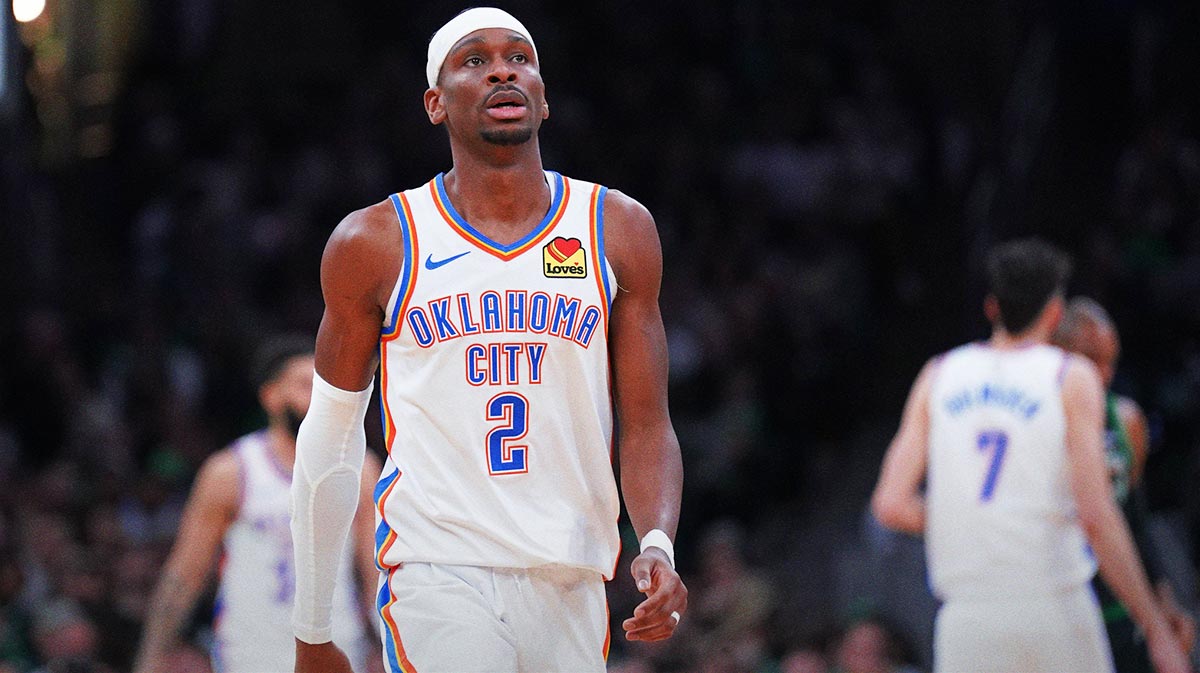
(434, 107)
(1053, 313)
(270, 397)
(991, 309)
(545, 109)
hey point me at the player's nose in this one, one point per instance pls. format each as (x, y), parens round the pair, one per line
(501, 71)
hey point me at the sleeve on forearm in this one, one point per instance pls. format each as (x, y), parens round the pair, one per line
(330, 447)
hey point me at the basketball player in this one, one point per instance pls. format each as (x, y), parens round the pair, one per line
(239, 505)
(1010, 433)
(1087, 329)
(516, 307)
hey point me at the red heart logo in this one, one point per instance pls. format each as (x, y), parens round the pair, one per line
(562, 248)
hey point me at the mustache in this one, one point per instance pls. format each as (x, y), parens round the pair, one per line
(503, 88)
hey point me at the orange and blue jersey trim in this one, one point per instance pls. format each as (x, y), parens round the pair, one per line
(408, 270)
(385, 410)
(384, 535)
(558, 206)
(599, 263)
(393, 649)
(408, 280)
(607, 629)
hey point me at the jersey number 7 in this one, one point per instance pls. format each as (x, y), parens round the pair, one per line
(995, 441)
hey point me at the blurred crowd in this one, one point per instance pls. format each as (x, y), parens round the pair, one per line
(825, 177)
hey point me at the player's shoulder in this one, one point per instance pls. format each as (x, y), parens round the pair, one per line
(219, 479)
(623, 211)
(1129, 410)
(372, 226)
(1080, 378)
(363, 254)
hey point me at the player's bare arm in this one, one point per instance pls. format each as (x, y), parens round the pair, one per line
(1083, 405)
(651, 467)
(1138, 430)
(358, 269)
(897, 502)
(210, 510)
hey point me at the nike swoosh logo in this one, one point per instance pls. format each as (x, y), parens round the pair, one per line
(431, 265)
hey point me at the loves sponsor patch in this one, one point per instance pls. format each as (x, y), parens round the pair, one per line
(564, 258)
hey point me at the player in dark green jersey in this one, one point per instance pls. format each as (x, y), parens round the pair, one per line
(1087, 329)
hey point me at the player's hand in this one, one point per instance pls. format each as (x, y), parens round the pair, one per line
(322, 658)
(1165, 653)
(1184, 628)
(666, 598)
(1182, 624)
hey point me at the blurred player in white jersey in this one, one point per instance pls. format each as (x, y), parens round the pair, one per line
(1008, 437)
(515, 312)
(239, 508)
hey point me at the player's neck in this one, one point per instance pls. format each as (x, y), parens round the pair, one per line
(504, 200)
(282, 446)
(1003, 340)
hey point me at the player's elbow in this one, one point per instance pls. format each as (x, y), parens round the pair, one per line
(888, 509)
(1094, 520)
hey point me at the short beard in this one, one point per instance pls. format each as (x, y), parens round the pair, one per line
(507, 137)
(292, 420)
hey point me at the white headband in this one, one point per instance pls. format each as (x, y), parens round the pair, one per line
(476, 18)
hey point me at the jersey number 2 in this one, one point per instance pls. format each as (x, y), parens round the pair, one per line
(503, 455)
(995, 441)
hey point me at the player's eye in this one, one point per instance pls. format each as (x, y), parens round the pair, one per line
(474, 60)
(520, 58)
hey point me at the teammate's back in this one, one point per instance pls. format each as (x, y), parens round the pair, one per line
(1001, 516)
(1008, 439)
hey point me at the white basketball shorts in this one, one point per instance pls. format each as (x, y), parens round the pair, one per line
(463, 619)
(1058, 633)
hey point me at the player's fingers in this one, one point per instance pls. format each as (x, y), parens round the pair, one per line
(641, 569)
(654, 632)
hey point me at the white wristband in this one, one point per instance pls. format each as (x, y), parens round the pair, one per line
(657, 538)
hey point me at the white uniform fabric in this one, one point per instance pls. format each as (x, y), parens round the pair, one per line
(496, 392)
(253, 616)
(464, 619)
(1001, 524)
(1006, 552)
(1057, 633)
(496, 406)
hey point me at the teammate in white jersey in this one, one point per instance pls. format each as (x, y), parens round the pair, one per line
(511, 308)
(239, 507)
(1008, 437)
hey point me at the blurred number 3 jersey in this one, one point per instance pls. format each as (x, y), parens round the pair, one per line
(253, 616)
(495, 385)
(1001, 520)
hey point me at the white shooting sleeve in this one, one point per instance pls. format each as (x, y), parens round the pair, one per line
(330, 447)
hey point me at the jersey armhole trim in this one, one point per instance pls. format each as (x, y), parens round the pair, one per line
(407, 279)
(599, 261)
(1061, 376)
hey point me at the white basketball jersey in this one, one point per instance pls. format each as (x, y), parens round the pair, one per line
(1001, 520)
(495, 380)
(253, 617)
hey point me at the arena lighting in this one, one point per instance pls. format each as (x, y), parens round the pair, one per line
(28, 10)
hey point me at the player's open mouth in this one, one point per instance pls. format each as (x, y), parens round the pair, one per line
(506, 105)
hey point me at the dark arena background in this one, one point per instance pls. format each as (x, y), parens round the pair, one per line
(826, 177)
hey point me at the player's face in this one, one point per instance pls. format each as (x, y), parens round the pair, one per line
(1099, 344)
(287, 396)
(490, 88)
